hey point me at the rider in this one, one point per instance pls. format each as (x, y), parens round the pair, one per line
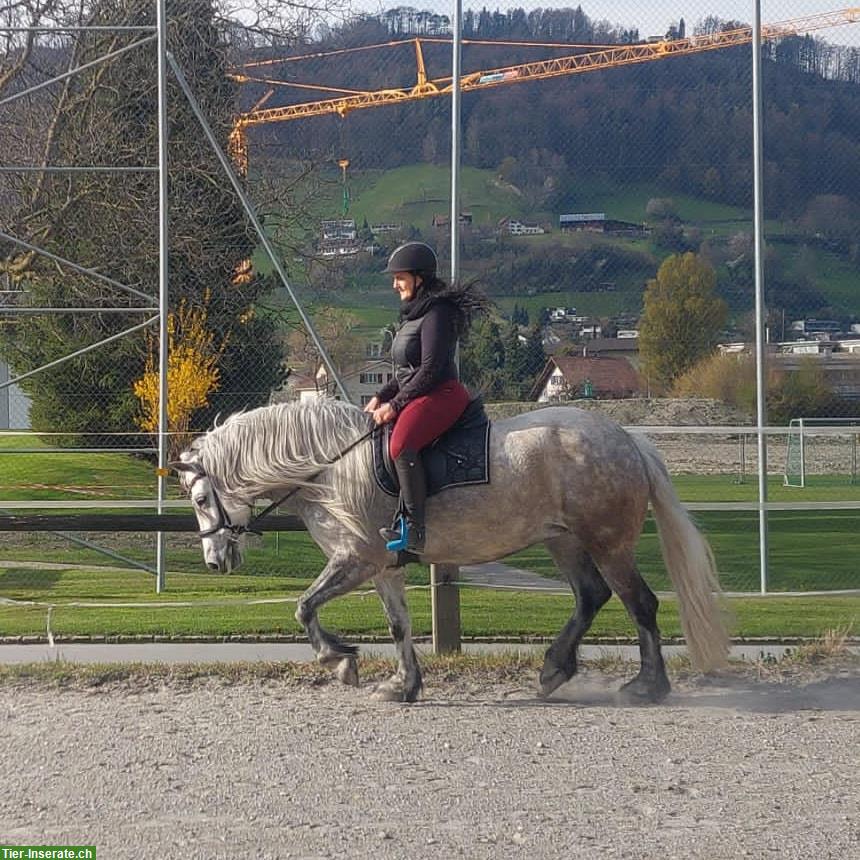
(424, 396)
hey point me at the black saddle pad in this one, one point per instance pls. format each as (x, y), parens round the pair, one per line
(458, 457)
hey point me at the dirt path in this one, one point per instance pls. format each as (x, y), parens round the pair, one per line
(280, 769)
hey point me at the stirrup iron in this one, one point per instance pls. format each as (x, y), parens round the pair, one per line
(399, 543)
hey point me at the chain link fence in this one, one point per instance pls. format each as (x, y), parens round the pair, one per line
(605, 206)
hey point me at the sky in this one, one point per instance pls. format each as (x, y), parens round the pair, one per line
(655, 18)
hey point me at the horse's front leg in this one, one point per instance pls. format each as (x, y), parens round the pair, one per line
(341, 575)
(405, 684)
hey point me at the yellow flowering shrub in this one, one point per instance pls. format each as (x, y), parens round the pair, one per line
(192, 371)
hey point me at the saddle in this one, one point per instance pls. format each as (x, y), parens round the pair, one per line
(460, 456)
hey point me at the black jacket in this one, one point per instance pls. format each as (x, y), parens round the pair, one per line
(422, 354)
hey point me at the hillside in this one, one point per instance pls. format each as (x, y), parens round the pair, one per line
(684, 122)
(805, 277)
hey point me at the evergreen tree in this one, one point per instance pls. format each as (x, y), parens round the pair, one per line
(535, 355)
(482, 357)
(514, 372)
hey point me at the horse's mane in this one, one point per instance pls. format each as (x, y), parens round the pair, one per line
(262, 452)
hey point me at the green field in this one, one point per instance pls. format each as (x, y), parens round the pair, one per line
(810, 551)
(220, 606)
(49, 475)
(411, 195)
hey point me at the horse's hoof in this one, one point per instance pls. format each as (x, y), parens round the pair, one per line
(551, 678)
(347, 671)
(388, 692)
(640, 691)
(395, 691)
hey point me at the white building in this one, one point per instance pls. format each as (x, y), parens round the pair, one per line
(361, 381)
(520, 228)
(14, 404)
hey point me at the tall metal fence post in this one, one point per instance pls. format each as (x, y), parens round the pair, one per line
(445, 601)
(163, 298)
(760, 322)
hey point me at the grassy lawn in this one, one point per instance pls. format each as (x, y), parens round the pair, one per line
(725, 488)
(51, 475)
(586, 303)
(414, 193)
(833, 275)
(217, 609)
(628, 203)
(809, 551)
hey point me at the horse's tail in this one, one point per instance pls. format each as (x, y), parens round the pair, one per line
(691, 567)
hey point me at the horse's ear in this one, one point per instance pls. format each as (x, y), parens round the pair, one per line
(180, 466)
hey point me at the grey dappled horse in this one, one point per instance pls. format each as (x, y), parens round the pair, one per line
(571, 479)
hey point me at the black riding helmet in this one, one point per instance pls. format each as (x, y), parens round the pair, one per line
(413, 257)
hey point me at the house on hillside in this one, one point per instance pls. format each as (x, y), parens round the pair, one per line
(597, 222)
(385, 227)
(513, 227)
(445, 220)
(566, 378)
(338, 238)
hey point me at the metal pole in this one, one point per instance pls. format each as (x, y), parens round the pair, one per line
(161, 20)
(445, 595)
(57, 168)
(92, 273)
(74, 71)
(456, 56)
(760, 344)
(255, 221)
(78, 352)
(64, 311)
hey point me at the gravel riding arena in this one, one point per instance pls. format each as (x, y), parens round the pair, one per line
(284, 763)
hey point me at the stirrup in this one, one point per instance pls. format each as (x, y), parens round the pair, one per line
(408, 538)
(396, 538)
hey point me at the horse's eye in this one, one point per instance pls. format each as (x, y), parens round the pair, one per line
(200, 501)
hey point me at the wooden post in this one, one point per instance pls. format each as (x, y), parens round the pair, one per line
(445, 597)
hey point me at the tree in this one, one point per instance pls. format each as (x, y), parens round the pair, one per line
(192, 373)
(482, 357)
(682, 318)
(335, 327)
(106, 116)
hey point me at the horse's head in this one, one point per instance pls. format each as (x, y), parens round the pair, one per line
(222, 522)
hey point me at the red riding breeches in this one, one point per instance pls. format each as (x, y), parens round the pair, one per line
(427, 417)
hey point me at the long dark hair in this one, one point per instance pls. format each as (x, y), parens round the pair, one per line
(468, 297)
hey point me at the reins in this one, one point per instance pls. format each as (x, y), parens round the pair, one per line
(236, 531)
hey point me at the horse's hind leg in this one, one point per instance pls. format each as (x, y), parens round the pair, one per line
(620, 571)
(405, 684)
(559, 664)
(341, 575)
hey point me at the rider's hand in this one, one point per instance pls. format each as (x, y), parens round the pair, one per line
(373, 405)
(384, 414)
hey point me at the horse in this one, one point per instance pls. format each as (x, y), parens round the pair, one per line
(572, 479)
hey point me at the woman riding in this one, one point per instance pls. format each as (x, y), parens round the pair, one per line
(424, 397)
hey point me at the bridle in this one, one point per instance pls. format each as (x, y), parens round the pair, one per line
(236, 530)
(223, 521)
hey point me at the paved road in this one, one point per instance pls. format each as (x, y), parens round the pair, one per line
(237, 652)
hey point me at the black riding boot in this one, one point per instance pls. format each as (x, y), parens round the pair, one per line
(413, 493)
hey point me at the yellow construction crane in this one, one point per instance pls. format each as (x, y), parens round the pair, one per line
(605, 58)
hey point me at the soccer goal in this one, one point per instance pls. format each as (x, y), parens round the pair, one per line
(821, 446)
